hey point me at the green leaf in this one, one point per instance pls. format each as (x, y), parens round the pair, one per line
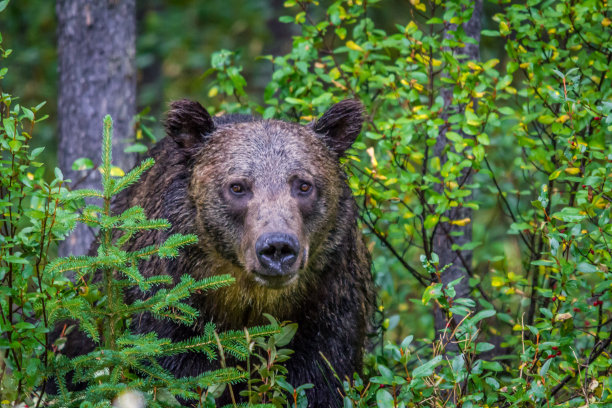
(58, 174)
(3, 4)
(432, 292)
(586, 267)
(384, 399)
(426, 369)
(136, 148)
(483, 314)
(35, 152)
(545, 367)
(287, 333)
(569, 214)
(490, 33)
(482, 347)
(492, 382)
(492, 366)
(82, 163)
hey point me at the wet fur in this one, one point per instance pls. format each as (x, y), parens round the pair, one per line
(333, 298)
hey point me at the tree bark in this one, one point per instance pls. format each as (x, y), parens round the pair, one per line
(447, 233)
(97, 76)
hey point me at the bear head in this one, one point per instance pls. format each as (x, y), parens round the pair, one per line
(267, 192)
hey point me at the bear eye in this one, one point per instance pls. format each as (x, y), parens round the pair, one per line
(305, 187)
(237, 189)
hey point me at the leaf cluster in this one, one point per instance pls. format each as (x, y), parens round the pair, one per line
(123, 361)
(506, 161)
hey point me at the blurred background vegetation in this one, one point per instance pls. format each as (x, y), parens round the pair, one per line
(175, 41)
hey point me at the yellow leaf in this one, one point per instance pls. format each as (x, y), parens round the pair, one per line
(417, 157)
(452, 185)
(572, 170)
(139, 134)
(555, 174)
(606, 22)
(421, 7)
(117, 172)
(411, 27)
(353, 46)
(370, 152)
(405, 83)
(334, 73)
(213, 92)
(600, 203)
(435, 163)
(517, 327)
(461, 223)
(474, 67)
(408, 214)
(546, 119)
(510, 90)
(497, 282)
(30, 176)
(562, 119)
(422, 116)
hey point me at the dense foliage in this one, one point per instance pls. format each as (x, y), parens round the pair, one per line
(519, 150)
(484, 188)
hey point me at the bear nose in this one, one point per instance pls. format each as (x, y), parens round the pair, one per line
(277, 252)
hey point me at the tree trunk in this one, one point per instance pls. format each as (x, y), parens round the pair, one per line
(97, 76)
(447, 233)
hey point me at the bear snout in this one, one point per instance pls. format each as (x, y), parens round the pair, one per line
(277, 252)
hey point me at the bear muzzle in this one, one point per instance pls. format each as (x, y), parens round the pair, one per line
(277, 254)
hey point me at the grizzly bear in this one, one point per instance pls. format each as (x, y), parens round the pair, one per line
(270, 205)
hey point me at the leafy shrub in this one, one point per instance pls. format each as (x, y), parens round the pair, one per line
(123, 361)
(31, 219)
(40, 293)
(498, 172)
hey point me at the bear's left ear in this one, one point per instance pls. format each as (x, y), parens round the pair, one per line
(340, 125)
(188, 123)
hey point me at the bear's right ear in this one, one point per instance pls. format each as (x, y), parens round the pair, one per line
(188, 123)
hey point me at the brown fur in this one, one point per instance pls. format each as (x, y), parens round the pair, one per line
(329, 290)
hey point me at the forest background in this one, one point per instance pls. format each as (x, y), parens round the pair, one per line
(486, 157)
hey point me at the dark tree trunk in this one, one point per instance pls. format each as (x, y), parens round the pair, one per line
(281, 41)
(96, 43)
(447, 233)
